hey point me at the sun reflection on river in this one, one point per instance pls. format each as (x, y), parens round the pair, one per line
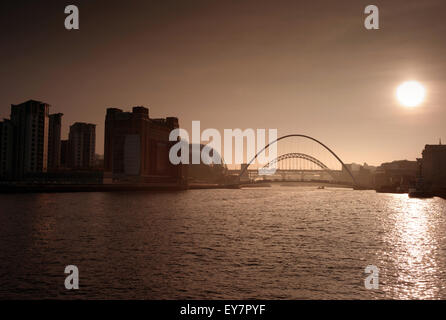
(414, 248)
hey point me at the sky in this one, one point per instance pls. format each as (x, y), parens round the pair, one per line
(307, 67)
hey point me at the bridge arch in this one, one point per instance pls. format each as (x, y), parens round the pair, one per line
(297, 155)
(301, 136)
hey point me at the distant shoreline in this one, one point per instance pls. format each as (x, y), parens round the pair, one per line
(68, 188)
(62, 188)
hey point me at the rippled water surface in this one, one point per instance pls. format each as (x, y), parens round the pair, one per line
(266, 243)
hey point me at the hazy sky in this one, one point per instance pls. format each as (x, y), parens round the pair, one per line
(299, 66)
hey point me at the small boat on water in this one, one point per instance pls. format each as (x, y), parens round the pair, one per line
(321, 187)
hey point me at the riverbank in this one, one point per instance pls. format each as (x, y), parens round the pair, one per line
(120, 187)
(117, 187)
(61, 188)
(195, 186)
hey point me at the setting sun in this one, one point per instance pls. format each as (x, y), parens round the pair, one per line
(410, 93)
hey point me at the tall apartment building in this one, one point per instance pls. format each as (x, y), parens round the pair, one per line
(137, 147)
(81, 145)
(6, 149)
(31, 124)
(54, 140)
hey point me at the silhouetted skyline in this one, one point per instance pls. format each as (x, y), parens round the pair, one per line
(301, 67)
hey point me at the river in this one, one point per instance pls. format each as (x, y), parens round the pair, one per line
(281, 242)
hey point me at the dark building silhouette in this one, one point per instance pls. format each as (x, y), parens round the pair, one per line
(54, 141)
(137, 147)
(81, 145)
(64, 153)
(6, 148)
(433, 166)
(31, 125)
(396, 175)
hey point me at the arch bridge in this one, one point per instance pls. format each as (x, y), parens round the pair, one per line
(299, 156)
